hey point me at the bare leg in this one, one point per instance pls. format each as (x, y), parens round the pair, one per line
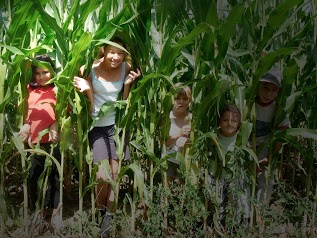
(110, 196)
(101, 189)
(106, 222)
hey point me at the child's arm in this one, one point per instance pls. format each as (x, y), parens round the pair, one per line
(25, 132)
(53, 135)
(180, 141)
(84, 85)
(172, 139)
(279, 144)
(131, 76)
(181, 138)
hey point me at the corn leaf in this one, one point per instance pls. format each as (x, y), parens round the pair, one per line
(50, 24)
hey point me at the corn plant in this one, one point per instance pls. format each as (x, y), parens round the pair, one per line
(219, 48)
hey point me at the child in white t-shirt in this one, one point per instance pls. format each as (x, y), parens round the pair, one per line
(270, 85)
(179, 129)
(229, 123)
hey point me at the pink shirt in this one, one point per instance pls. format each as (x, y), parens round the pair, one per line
(41, 114)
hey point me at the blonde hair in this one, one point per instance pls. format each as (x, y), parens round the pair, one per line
(180, 89)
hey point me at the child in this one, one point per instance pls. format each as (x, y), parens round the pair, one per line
(41, 116)
(270, 85)
(180, 127)
(109, 75)
(229, 123)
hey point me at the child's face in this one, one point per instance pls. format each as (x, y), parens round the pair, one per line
(181, 103)
(42, 76)
(229, 123)
(267, 92)
(114, 55)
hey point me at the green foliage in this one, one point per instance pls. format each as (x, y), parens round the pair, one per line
(219, 48)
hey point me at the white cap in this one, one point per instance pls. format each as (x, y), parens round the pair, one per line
(273, 76)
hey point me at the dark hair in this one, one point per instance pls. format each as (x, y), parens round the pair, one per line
(231, 108)
(118, 40)
(44, 58)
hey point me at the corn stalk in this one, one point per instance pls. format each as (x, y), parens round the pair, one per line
(207, 44)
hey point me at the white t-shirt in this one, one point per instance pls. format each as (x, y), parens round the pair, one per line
(227, 143)
(175, 130)
(264, 121)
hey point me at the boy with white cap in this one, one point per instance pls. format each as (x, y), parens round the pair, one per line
(270, 85)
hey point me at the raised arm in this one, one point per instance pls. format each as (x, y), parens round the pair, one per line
(179, 138)
(84, 85)
(131, 76)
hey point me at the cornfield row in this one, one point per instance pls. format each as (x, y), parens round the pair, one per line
(220, 49)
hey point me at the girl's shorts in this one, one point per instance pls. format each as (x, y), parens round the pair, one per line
(172, 169)
(102, 143)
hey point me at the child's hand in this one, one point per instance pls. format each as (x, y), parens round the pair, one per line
(185, 131)
(264, 161)
(181, 141)
(53, 135)
(81, 84)
(131, 77)
(25, 132)
(262, 164)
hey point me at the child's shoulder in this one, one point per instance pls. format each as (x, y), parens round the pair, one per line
(267, 106)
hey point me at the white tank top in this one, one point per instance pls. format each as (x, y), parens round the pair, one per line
(106, 92)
